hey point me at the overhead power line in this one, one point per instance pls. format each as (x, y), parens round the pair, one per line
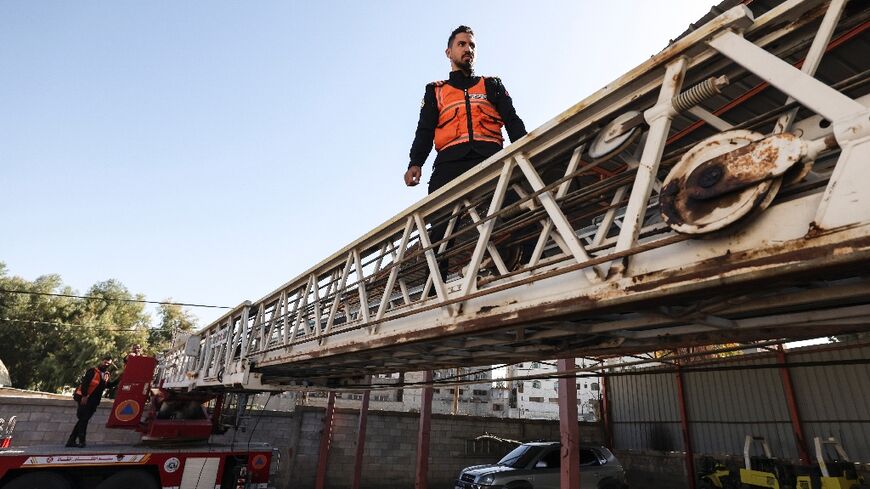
(70, 325)
(112, 299)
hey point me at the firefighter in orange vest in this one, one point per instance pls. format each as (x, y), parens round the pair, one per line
(463, 116)
(87, 396)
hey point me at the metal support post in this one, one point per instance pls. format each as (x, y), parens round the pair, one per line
(455, 409)
(569, 428)
(422, 479)
(606, 416)
(361, 438)
(325, 441)
(684, 425)
(791, 401)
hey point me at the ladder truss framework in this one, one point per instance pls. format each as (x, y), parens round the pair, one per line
(553, 253)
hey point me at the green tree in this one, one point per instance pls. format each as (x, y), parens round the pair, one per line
(31, 325)
(174, 321)
(47, 342)
(110, 323)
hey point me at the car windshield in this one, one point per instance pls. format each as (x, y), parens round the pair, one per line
(520, 456)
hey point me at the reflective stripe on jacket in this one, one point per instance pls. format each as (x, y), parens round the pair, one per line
(465, 115)
(95, 382)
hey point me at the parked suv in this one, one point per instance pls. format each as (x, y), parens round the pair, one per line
(536, 466)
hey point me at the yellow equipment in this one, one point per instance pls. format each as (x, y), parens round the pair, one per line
(716, 475)
(766, 471)
(839, 473)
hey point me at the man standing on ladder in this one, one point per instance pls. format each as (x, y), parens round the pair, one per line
(463, 117)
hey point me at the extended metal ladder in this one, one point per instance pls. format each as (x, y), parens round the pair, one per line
(719, 192)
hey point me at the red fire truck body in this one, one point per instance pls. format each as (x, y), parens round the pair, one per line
(199, 466)
(175, 452)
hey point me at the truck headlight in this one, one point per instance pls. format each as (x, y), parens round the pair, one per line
(487, 480)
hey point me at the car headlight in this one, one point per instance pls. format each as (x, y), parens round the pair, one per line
(487, 480)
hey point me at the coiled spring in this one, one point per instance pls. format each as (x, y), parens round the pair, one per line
(698, 93)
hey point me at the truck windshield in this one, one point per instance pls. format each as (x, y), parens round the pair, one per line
(520, 456)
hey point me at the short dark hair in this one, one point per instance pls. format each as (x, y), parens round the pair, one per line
(107, 357)
(458, 30)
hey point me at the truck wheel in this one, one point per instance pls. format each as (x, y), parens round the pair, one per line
(39, 480)
(129, 479)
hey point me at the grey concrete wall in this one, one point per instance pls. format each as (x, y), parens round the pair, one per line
(390, 446)
(50, 421)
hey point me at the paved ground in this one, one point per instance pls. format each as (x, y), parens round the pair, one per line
(644, 480)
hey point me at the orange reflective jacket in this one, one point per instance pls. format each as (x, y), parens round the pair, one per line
(465, 115)
(95, 382)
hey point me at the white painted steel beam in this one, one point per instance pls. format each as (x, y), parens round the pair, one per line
(470, 280)
(659, 118)
(809, 91)
(566, 231)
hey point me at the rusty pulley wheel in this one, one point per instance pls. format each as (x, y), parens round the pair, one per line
(725, 177)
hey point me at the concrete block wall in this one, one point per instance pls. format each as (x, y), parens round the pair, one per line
(50, 422)
(390, 446)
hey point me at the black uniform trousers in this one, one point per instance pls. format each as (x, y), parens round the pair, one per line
(84, 413)
(442, 174)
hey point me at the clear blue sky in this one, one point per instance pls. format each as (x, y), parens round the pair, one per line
(209, 151)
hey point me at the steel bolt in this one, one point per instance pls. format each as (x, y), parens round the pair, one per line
(710, 176)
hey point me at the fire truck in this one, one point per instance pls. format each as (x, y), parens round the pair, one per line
(174, 451)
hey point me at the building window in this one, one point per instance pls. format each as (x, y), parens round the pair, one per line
(536, 384)
(497, 407)
(536, 399)
(479, 392)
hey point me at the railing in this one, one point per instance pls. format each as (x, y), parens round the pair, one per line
(571, 210)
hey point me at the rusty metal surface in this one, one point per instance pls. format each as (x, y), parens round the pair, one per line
(376, 305)
(583, 326)
(692, 201)
(744, 167)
